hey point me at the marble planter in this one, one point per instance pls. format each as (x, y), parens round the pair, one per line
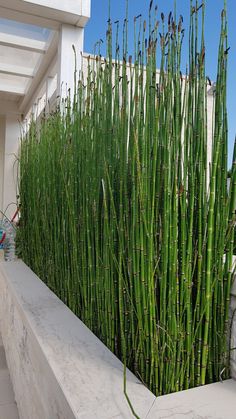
(60, 370)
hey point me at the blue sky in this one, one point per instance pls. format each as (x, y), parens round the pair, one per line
(96, 29)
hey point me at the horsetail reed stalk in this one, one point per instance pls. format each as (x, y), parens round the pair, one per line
(122, 216)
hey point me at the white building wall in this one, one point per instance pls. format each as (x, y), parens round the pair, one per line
(11, 146)
(88, 59)
(2, 152)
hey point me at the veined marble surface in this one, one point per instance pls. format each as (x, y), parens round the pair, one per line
(60, 370)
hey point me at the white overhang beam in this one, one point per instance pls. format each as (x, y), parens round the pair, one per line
(47, 62)
(23, 17)
(47, 13)
(78, 7)
(11, 88)
(15, 70)
(20, 42)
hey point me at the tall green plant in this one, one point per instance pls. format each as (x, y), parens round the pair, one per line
(121, 215)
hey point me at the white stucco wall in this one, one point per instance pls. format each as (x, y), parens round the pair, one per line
(2, 151)
(12, 141)
(9, 145)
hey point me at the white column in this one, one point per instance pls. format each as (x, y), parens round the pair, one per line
(69, 36)
(12, 141)
(49, 88)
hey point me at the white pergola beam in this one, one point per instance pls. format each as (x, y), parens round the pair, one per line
(47, 63)
(23, 17)
(14, 70)
(47, 13)
(76, 7)
(11, 88)
(22, 43)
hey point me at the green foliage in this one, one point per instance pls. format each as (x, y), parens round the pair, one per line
(121, 215)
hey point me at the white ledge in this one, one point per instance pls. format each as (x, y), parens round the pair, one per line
(59, 369)
(39, 330)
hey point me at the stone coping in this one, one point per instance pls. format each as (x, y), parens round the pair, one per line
(43, 334)
(61, 370)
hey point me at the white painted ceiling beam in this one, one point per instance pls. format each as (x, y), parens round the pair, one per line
(46, 65)
(11, 88)
(20, 42)
(15, 70)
